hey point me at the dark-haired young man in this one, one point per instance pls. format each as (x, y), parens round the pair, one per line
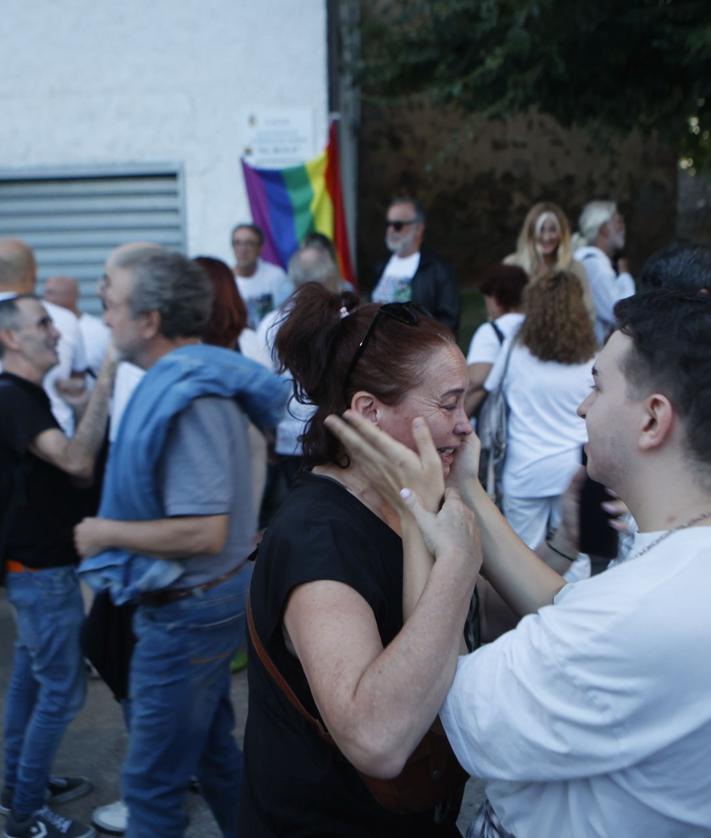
(38, 508)
(592, 717)
(263, 286)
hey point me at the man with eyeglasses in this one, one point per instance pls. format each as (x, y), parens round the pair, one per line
(413, 274)
(263, 286)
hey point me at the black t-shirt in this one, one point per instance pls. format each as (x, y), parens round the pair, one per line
(40, 532)
(295, 783)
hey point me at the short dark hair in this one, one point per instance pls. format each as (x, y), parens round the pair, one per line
(10, 314)
(420, 214)
(671, 353)
(174, 286)
(505, 283)
(248, 226)
(317, 344)
(683, 266)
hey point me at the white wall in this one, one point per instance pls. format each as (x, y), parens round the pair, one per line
(168, 81)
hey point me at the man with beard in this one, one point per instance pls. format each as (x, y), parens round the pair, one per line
(602, 231)
(413, 274)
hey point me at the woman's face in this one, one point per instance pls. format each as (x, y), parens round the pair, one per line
(439, 400)
(548, 235)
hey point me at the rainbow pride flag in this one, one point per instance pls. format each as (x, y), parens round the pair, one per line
(290, 203)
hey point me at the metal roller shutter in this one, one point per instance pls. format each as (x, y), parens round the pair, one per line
(72, 221)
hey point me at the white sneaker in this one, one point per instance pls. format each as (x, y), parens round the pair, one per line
(112, 818)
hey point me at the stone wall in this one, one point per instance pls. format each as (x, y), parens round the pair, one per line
(477, 179)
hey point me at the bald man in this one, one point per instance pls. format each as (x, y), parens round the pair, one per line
(18, 275)
(64, 291)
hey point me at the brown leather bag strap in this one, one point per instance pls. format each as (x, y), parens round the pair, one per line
(279, 679)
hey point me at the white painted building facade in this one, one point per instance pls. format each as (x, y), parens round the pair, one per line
(157, 94)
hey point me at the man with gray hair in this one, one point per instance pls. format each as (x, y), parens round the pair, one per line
(602, 236)
(18, 275)
(173, 534)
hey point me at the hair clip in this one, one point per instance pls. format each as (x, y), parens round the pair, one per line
(343, 312)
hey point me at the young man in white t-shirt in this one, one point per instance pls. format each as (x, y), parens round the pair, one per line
(263, 286)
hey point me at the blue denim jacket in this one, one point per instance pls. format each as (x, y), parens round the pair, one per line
(130, 491)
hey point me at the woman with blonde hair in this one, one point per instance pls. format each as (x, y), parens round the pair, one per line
(545, 370)
(545, 244)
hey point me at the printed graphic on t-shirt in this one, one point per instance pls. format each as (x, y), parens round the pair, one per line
(393, 289)
(257, 308)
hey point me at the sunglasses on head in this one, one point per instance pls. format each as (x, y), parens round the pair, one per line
(399, 225)
(407, 313)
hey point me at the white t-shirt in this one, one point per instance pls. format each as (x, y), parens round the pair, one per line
(544, 431)
(265, 290)
(253, 348)
(606, 287)
(72, 358)
(96, 336)
(592, 718)
(395, 285)
(485, 345)
(127, 377)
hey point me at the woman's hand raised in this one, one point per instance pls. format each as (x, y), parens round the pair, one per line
(465, 468)
(450, 534)
(388, 464)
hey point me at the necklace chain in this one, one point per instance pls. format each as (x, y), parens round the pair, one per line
(659, 539)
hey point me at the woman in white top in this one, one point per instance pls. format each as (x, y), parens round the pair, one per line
(549, 373)
(502, 288)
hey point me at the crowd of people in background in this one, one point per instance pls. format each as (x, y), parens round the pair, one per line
(151, 455)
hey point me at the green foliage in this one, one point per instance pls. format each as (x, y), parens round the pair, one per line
(616, 65)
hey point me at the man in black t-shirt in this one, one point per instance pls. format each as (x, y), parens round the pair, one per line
(39, 463)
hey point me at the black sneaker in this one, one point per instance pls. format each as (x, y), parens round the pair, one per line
(45, 824)
(64, 789)
(59, 790)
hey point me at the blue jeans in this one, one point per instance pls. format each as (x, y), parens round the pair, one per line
(181, 714)
(48, 683)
